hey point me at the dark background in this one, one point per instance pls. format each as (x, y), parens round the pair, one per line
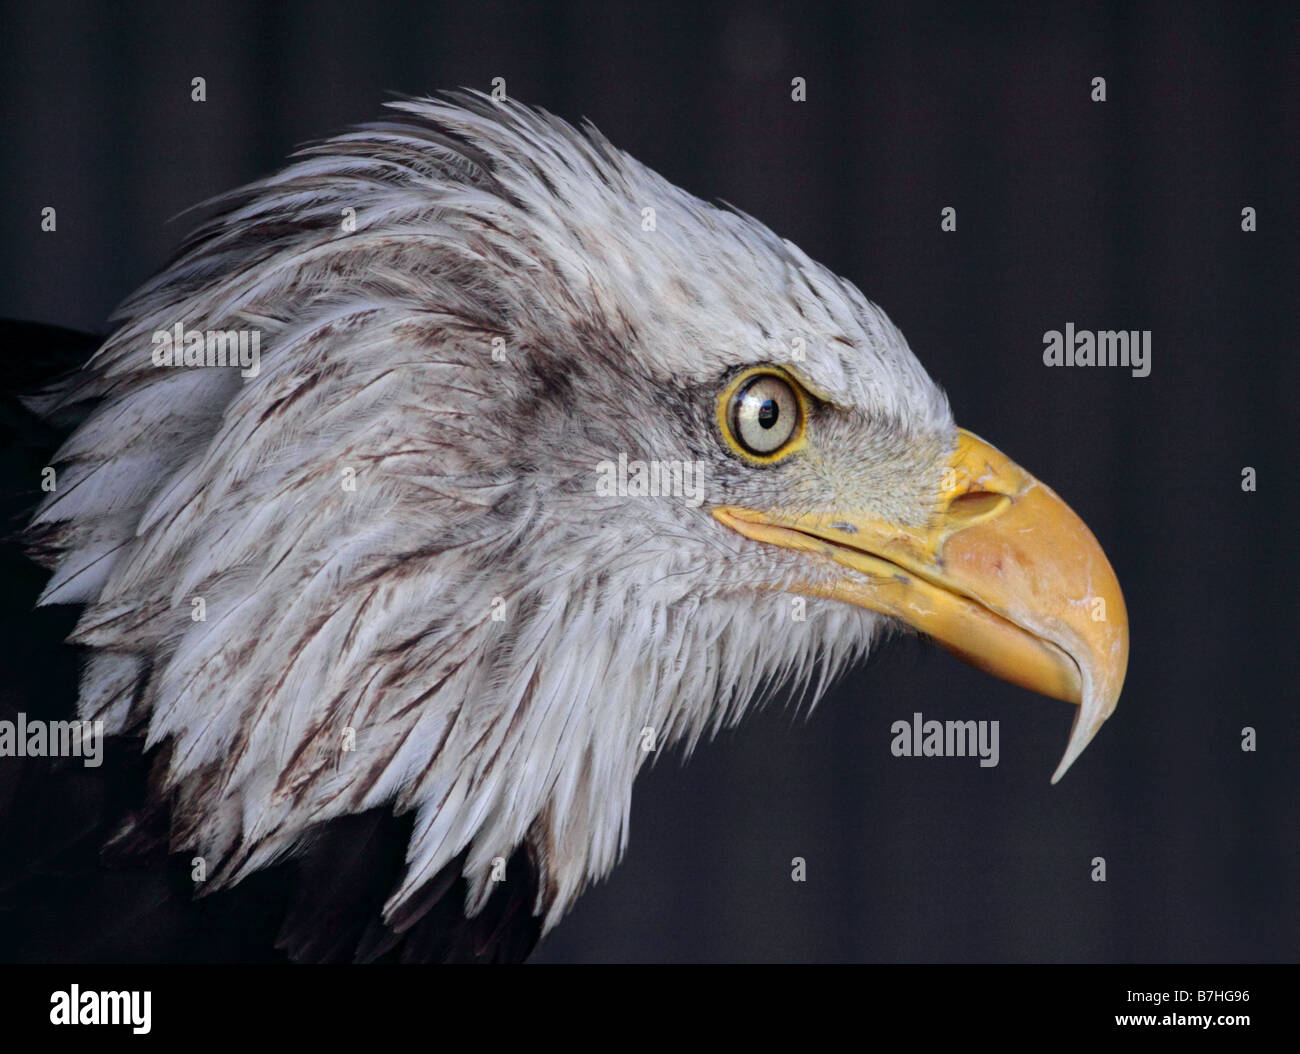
(1124, 214)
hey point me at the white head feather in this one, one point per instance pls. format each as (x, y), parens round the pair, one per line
(330, 609)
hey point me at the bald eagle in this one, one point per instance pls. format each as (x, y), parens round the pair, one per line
(512, 486)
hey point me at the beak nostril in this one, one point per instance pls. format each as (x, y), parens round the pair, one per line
(975, 505)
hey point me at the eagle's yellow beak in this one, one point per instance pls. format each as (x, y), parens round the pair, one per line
(1005, 576)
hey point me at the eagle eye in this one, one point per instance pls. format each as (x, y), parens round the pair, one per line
(762, 413)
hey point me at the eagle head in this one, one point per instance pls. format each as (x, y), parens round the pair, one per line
(543, 465)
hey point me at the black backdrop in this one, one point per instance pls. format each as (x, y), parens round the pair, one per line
(1124, 214)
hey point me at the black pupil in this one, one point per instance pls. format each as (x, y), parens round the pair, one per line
(768, 413)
